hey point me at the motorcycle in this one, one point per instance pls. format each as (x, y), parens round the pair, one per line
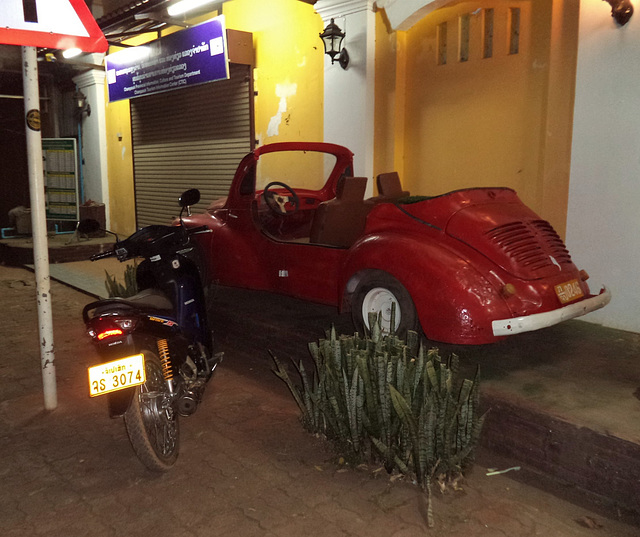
(156, 347)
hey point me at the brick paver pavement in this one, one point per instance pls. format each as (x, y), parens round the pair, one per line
(246, 467)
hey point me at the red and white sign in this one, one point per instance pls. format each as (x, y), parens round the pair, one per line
(59, 24)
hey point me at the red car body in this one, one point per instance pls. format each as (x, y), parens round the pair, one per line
(476, 264)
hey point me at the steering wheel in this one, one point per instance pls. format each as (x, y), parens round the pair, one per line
(279, 204)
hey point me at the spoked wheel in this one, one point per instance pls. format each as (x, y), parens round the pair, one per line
(151, 423)
(378, 293)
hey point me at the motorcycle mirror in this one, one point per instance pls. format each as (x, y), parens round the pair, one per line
(189, 197)
(88, 225)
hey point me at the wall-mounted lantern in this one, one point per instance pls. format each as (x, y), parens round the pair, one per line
(82, 106)
(332, 37)
(621, 10)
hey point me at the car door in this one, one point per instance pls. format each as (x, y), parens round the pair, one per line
(310, 174)
(311, 272)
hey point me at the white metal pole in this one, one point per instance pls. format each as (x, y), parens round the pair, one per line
(39, 224)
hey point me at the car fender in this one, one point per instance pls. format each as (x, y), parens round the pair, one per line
(453, 299)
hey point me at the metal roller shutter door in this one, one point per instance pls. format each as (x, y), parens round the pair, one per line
(189, 138)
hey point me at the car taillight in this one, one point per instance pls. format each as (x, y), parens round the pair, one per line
(508, 290)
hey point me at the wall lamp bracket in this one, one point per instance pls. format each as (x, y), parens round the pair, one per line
(332, 38)
(621, 10)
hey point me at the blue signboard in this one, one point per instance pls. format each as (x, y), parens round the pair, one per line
(185, 58)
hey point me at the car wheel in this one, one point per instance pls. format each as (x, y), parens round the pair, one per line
(378, 293)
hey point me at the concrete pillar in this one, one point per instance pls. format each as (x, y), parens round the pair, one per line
(349, 94)
(94, 139)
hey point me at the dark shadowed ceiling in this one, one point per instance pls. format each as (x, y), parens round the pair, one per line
(134, 17)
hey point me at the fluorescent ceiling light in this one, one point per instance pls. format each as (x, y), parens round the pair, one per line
(130, 55)
(186, 5)
(71, 53)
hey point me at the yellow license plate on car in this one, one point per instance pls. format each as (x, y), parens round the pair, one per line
(569, 291)
(116, 375)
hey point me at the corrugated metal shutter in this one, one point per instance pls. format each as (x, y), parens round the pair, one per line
(189, 138)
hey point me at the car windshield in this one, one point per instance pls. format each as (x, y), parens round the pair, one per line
(298, 169)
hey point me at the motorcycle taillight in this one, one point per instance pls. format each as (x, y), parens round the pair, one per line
(102, 328)
(109, 333)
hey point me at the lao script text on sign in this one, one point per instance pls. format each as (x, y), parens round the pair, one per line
(192, 56)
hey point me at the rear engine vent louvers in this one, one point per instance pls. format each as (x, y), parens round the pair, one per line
(533, 245)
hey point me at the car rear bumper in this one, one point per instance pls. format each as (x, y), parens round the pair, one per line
(529, 323)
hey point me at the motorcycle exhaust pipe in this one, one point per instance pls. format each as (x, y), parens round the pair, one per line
(187, 403)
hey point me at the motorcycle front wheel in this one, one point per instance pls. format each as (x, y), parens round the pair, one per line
(151, 423)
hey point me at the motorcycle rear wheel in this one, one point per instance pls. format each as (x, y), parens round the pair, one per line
(152, 425)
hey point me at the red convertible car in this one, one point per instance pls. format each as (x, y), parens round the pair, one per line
(467, 267)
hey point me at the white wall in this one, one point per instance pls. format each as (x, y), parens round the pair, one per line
(94, 139)
(603, 220)
(349, 94)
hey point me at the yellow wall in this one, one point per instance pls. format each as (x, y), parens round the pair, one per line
(120, 158)
(288, 76)
(558, 127)
(289, 70)
(120, 166)
(499, 121)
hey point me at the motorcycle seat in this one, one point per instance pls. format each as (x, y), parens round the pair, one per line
(150, 298)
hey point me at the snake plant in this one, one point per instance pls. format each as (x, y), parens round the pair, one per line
(383, 399)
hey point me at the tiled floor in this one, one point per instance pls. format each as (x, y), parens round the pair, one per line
(88, 276)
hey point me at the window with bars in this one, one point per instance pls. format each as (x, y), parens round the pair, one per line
(487, 33)
(485, 25)
(514, 30)
(442, 43)
(464, 31)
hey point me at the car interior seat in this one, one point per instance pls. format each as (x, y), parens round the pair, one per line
(389, 187)
(340, 221)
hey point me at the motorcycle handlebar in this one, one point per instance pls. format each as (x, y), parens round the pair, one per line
(102, 255)
(124, 252)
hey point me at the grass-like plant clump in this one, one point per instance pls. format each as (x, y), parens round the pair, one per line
(380, 399)
(117, 289)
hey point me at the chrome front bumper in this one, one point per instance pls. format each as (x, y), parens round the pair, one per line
(529, 323)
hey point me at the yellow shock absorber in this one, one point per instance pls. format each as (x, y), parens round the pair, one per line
(165, 359)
